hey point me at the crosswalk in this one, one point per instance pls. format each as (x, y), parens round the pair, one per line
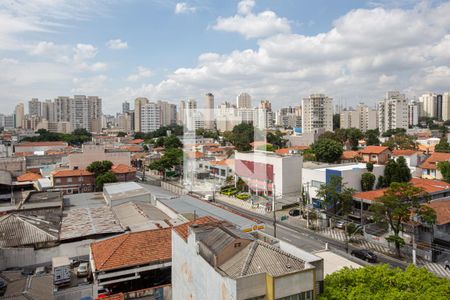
(438, 269)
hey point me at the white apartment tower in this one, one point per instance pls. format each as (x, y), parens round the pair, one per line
(413, 113)
(19, 116)
(364, 118)
(150, 117)
(79, 109)
(181, 113)
(393, 112)
(428, 105)
(243, 100)
(138, 103)
(317, 112)
(168, 113)
(446, 106)
(94, 114)
(34, 107)
(62, 109)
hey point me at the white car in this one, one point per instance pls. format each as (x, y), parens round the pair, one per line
(83, 270)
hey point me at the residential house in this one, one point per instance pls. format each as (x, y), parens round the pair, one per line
(349, 156)
(430, 166)
(376, 154)
(73, 181)
(413, 159)
(124, 172)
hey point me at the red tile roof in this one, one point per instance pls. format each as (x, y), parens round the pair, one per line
(442, 209)
(122, 169)
(136, 141)
(183, 229)
(431, 162)
(400, 152)
(22, 154)
(348, 154)
(374, 149)
(40, 144)
(195, 155)
(28, 177)
(428, 185)
(71, 173)
(133, 249)
(119, 296)
(284, 151)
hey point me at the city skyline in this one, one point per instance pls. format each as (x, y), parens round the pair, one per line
(277, 51)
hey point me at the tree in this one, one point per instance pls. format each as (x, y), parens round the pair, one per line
(334, 135)
(276, 139)
(99, 167)
(371, 136)
(336, 121)
(401, 141)
(139, 135)
(380, 182)
(337, 194)
(384, 282)
(442, 146)
(327, 150)
(159, 142)
(444, 168)
(107, 177)
(242, 136)
(395, 207)
(353, 136)
(369, 166)
(396, 171)
(266, 147)
(172, 141)
(172, 157)
(121, 134)
(367, 181)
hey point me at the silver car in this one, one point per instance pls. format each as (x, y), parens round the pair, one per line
(83, 270)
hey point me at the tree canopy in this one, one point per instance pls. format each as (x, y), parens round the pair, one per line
(367, 181)
(442, 146)
(172, 141)
(383, 282)
(396, 171)
(336, 194)
(371, 137)
(444, 168)
(173, 157)
(241, 136)
(395, 207)
(174, 129)
(107, 177)
(77, 137)
(276, 139)
(401, 141)
(100, 167)
(327, 150)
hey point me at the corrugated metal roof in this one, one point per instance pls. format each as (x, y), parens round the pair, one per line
(138, 215)
(18, 230)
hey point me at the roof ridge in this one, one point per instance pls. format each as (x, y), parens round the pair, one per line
(114, 251)
(250, 254)
(24, 218)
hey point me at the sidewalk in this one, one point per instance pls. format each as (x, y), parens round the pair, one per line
(240, 203)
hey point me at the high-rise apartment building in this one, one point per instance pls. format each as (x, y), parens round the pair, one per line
(94, 113)
(429, 105)
(209, 112)
(446, 106)
(150, 117)
(125, 107)
(181, 115)
(48, 110)
(243, 100)
(62, 109)
(363, 118)
(317, 112)
(168, 113)
(438, 113)
(79, 112)
(138, 103)
(34, 107)
(265, 104)
(413, 113)
(19, 116)
(393, 112)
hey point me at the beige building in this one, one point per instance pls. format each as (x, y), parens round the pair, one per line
(393, 112)
(58, 127)
(363, 118)
(138, 103)
(446, 106)
(19, 114)
(90, 153)
(317, 112)
(244, 100)
(209, 111)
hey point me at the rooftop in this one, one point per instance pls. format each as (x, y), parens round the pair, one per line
(431, 162)
(136, 215)
(400, 152)
(71, 173)
(41, 144)
(374, 150)
(183, 229)
(28, 177)
(122, 169)
(132, 249)
(124, 190)
(442, 209)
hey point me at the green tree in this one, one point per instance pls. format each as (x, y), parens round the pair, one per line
(334, 135)
(396, 171)
(444, 168)
(395, 207)
(276, 139)
(371, 137)
(107, 177)
(367, 181)
(385, 282)
(336, 194)
(442, 146)
(369, 166)
(172, 158)
(266, 147)
(353, 136)
(100, 167)
(380, 182)
(172, 142)
(327, 150)
(242, 136)
(159, 142)
(121, 134)
(401, 141)
(336, 121)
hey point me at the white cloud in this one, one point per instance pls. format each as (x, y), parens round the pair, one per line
(252, 25)
(117, 44)
(183, 8)
(89, 85)
(141, 72)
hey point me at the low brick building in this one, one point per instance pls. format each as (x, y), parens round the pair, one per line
(124, 173)
(73, 181)
(376, 154)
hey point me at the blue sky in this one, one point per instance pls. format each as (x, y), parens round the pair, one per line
(169, 50)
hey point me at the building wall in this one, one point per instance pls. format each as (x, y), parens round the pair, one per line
(446, 106)
(15, 165)
(19, 148)
(93, 153)
(317, 112)
(193, 277)
(293, 284)
(74, 184)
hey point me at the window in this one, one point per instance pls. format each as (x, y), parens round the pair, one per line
(57, 180)
(69, 179)
(316, 184)
(236, 245)
(308, 295)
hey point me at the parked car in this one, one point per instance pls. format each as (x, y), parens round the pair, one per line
(340, 224)
(27, 272)
(365, 254)
(294, 212)
(3, 286)
(39, 271)
(83, 269)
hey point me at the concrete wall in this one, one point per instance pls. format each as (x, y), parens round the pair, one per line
(293, 284)
(173, 188)
(193, 277)
(251, 286)
(93, 153)
(40, 160)
(15, 165)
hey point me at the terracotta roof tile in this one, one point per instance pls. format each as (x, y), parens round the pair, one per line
(40, 144)
(429, 186)
(136, 141)
(22, 154)
(122, 169)
(71, 173)
(349, 155)
(29, 177)
(401, 152)
(442, 209)
(374, 149)
(431, 162)
(132, 249)
(119, 296)
(183, 229)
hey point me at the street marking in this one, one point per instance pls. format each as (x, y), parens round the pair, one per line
(290, 241)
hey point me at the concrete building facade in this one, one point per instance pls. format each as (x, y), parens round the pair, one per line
(150, 117)
(393, 112)
(317, 112)
(138, 103)
(243, 100)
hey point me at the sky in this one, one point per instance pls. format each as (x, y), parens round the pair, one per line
(279, 50)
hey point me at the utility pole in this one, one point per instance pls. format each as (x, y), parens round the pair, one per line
(273, 210)
(414, 245)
